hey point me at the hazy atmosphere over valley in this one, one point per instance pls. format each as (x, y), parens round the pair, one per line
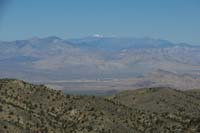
(101, 46)
(101, 63)
(99, 66)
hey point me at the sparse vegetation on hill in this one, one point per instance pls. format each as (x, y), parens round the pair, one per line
(27, 108)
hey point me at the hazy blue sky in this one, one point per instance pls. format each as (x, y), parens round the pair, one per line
(175, 20)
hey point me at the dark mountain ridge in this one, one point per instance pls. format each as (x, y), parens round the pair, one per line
(27, 108)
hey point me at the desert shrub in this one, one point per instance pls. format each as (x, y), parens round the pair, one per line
(1, 108)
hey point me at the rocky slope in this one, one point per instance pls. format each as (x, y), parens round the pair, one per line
(27, 108)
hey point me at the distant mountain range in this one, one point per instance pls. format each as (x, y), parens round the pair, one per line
(94, 58)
